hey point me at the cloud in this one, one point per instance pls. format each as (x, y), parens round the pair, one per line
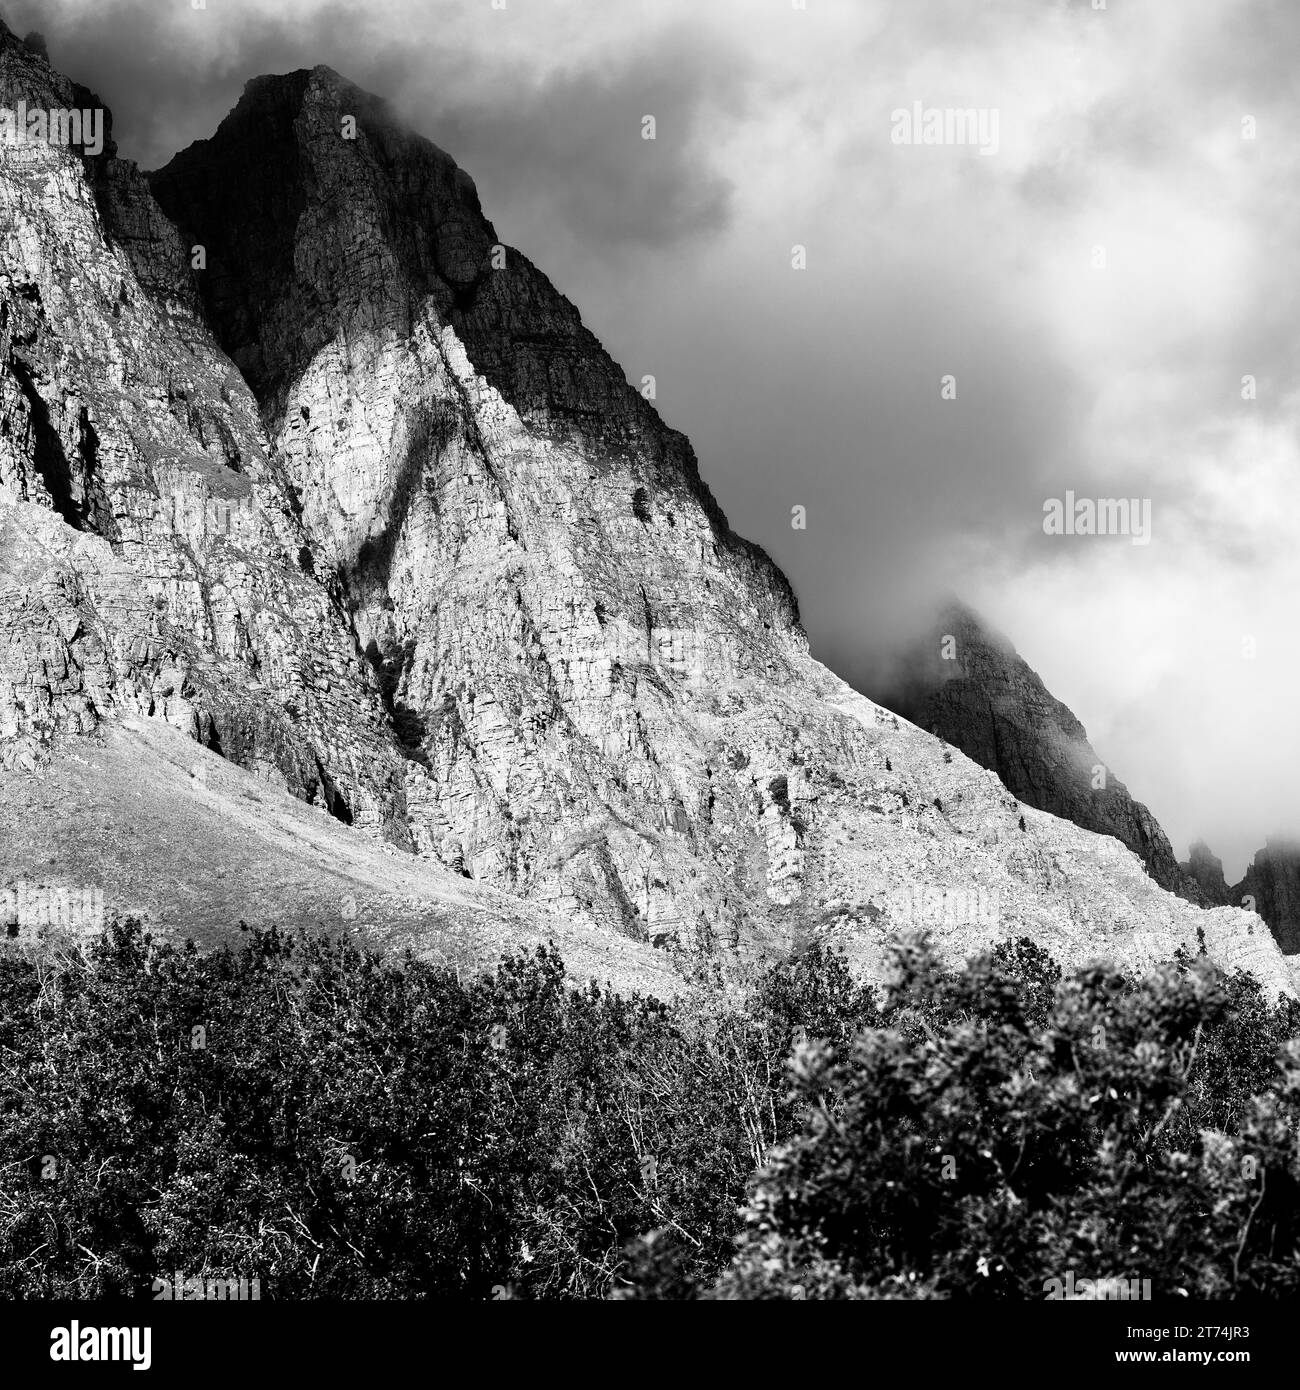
(563, 132)
(574, 143)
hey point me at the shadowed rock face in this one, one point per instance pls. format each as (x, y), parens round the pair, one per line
(360, 504)
(1271, 886)
(969, 686)
(1273, 882)
(1206, 871)
(311, 234)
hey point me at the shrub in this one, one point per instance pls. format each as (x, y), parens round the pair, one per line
(989, 1137)
(337, 1124)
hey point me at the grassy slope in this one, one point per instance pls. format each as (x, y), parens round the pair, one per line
(194, 844)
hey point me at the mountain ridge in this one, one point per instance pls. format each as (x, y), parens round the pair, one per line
(968, 684)
(502, 627)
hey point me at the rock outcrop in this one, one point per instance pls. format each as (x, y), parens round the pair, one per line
(1206, 871)
(546, 589)
(298, 457)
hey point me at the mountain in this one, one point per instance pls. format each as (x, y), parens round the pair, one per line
(300, 463)
(1206, 871)
(968, 685)
(1271, 886)
(1272, 883)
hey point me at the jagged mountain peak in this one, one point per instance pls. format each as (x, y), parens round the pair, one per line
(317, 101)
(967, 683)
(960, 644)
(1272, 885)
(311, 235)
(1205, 869)
(27, 74)
(321, 97)
(326, 163)
(388, 217)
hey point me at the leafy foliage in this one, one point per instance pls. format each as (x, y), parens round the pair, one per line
(337, 1124)
(992, 1136)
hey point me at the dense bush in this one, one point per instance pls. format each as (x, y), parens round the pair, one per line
(337, 1124)
(987, 1140)
(348, 1126)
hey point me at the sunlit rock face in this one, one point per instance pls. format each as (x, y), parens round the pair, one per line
(300, 458)
(549, 595)
(152, 558)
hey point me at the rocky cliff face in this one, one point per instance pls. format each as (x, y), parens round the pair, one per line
(298, 457)
(528, 556)
(1271, 887)
(969, 686)
(153, 559)
(1206, 871)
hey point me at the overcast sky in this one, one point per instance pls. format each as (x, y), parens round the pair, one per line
(1119, 129)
